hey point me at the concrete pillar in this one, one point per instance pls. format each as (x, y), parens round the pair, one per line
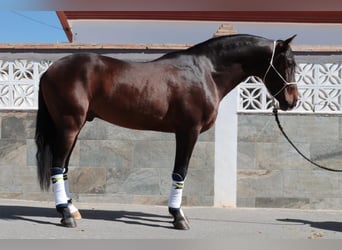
(226, 152)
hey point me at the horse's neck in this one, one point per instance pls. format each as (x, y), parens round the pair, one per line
(232, 68)
(228, 75)
(227, 81)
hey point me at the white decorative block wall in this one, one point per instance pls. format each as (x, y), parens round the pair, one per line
(320, 87)
(19, 80)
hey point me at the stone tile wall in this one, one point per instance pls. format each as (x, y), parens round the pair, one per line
(272, 174)
(113, 164)
(109, 164)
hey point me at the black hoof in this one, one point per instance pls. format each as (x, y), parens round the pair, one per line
(69, 222)
(67, 219)
(180, 222)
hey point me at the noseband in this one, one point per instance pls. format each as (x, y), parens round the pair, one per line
(286, 83)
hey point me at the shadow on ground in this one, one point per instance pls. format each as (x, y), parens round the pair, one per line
(42, 215)
(325, 225)
(34, 214)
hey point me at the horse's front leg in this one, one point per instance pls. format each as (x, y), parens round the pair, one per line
(185, 142)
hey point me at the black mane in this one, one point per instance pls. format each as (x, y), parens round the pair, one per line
(229, 41)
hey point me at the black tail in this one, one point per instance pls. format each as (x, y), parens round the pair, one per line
(44, 132)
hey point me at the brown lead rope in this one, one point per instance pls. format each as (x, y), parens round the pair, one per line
(275, 112)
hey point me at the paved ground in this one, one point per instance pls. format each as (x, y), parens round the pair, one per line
(39, 220)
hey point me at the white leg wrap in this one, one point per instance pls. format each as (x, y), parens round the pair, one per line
(66, 186)
(59, 189)
(175, 199)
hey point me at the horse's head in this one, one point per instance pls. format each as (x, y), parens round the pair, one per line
(279, 77)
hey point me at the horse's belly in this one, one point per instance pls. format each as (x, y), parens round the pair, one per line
(134, 117)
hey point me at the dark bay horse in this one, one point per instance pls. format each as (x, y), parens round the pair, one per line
(179, 93)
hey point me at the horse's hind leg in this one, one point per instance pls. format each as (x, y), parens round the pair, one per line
(63, 144)
(185, 142)
(75, 213)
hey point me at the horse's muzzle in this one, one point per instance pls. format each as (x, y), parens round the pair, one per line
(291, 97)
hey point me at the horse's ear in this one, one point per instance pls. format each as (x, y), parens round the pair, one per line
(289, 40)
(284, 45)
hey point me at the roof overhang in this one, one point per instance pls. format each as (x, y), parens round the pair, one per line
(224, 16)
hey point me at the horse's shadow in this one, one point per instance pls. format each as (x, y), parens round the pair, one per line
(33, 214)
(325, 225)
